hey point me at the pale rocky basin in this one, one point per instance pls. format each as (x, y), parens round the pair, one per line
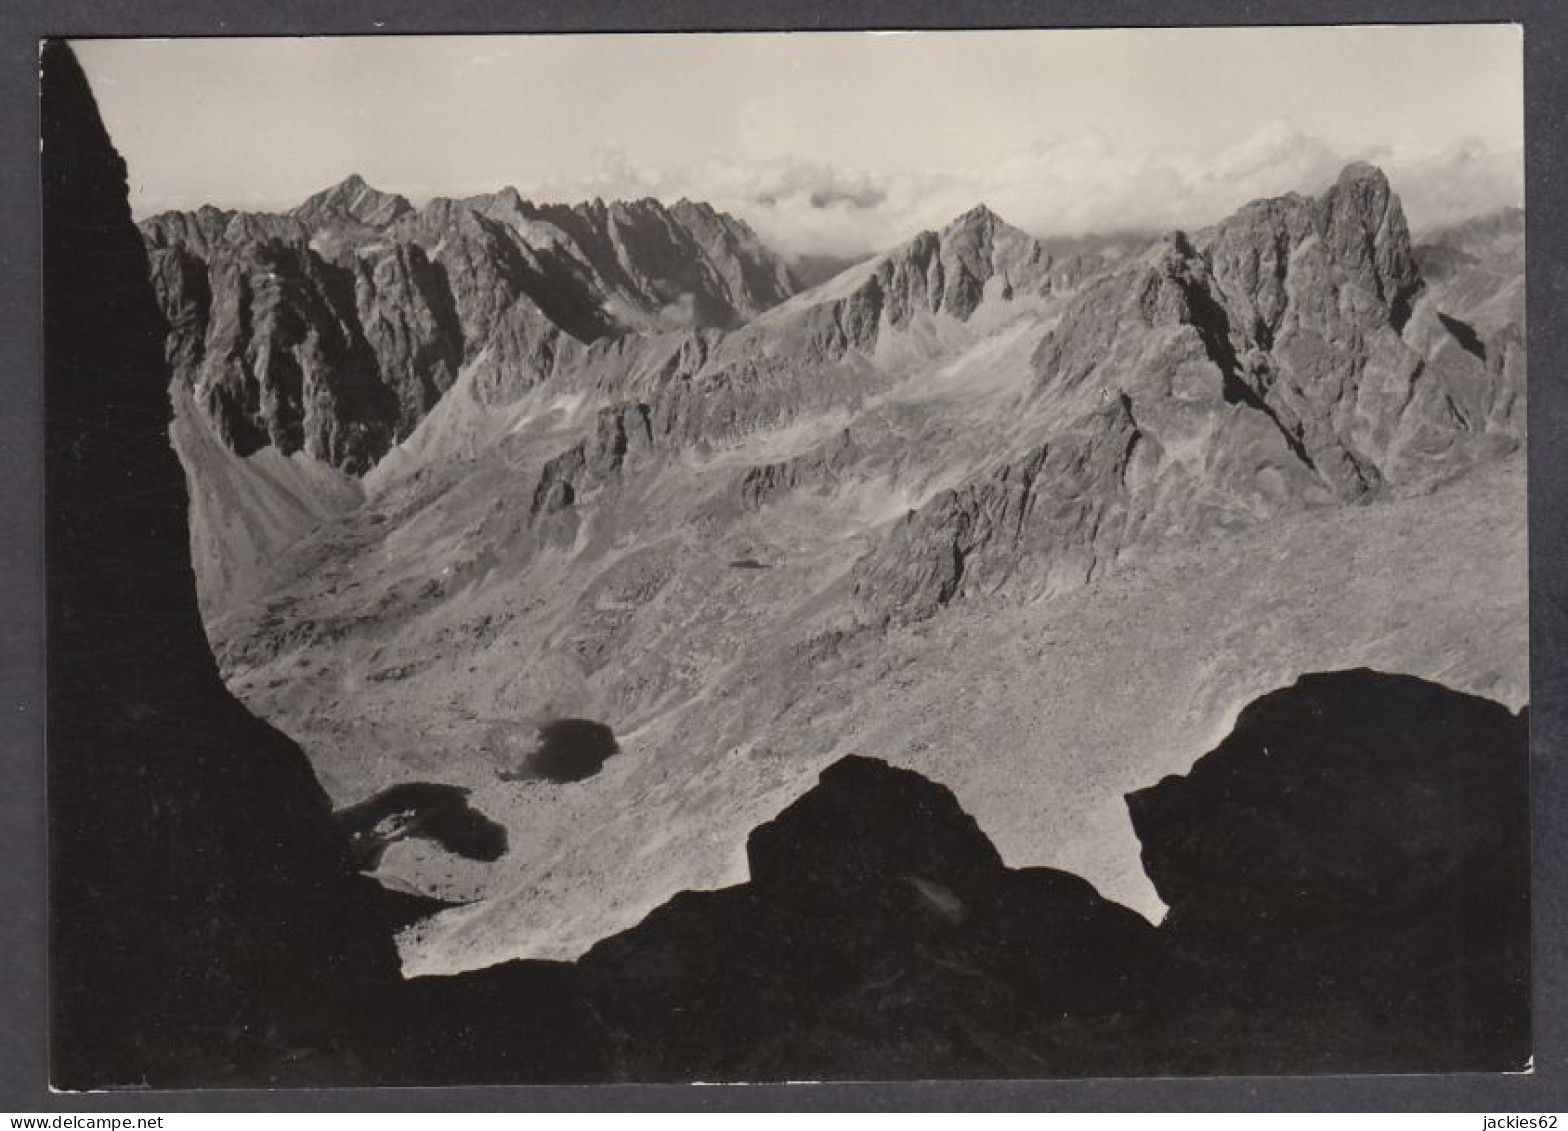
(1040, 717)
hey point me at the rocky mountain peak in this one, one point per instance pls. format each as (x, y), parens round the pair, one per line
(1364, 225)
(354, 199)
(1363, 173)
(694, 207)
(949, 270)
(978, 217)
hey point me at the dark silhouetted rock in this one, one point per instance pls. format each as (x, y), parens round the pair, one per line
(880, 936)
(1348, 878)
(208, 926)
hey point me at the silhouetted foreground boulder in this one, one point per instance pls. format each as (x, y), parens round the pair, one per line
(1348, 879)
(881, 936)
(1347, 872)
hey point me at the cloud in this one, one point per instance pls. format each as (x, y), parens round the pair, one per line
(865, 198)
(1061, 185)
(1445, 186)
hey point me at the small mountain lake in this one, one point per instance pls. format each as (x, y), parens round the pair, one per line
(567, 750)
(438, 813)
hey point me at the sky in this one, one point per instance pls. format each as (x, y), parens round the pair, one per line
(832, 143)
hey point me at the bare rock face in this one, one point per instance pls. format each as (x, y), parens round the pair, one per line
(334, 329)
(1473, 309)
(406, 311)
(208, 228)
(949, 271)
(686, 265)
(830, 330)
(522, 351)
(700, 389)
(286, 362)
(760, 484)
(1048, 506)
(754, 277)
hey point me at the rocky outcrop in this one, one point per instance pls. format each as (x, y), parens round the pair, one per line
(827, 331)
(289, 345)
(1348, 879)
(761, 484)
(696, 390)
(522, 349)
(209, 229)
(1473, 309)
(754, 277)
(410, 323)
(621, 431)
(694, 398)
(286, 363)
(1051, 515)
(684, 265)
(1493, 243)
(490, 264)
(1298, 305)
(880, 936)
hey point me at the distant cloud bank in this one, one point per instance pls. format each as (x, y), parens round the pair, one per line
(1056, 186)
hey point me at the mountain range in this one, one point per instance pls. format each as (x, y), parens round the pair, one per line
(462, 470)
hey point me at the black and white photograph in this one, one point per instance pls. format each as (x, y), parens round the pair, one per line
(760, 557)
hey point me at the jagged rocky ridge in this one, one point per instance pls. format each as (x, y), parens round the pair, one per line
(1289, 357)
(1282, 359)
(333, 329)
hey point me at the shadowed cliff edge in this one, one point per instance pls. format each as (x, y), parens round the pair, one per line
(1347, 872)
(206, 917)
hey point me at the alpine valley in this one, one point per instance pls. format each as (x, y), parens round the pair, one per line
(573, 543)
